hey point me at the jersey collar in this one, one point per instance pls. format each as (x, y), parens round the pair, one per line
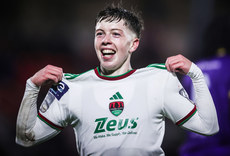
(112, 78)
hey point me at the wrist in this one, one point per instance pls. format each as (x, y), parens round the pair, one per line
(32, 85)
(195, 72)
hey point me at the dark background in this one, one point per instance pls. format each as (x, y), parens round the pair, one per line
(34, 33)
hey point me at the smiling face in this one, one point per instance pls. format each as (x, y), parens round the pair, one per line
(114, 43)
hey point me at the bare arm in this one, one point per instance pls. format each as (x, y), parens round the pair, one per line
(205, 121)
(27, 115)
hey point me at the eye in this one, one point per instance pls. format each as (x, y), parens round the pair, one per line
(98, 34)
(116, 34)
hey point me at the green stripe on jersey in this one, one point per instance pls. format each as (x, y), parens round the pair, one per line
(112, 76)
(51, 125)
(70, 76)
(187, 118)
(158, 65)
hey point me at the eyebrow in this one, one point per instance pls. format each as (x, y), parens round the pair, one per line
(115, 29)
(98, 30)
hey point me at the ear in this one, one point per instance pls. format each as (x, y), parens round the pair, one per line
(134, 45)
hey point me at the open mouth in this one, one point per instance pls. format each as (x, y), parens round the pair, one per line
(108, 52)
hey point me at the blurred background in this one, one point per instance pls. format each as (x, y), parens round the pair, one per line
(35, 33)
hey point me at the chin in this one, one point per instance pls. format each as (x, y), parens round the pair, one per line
(108, 67)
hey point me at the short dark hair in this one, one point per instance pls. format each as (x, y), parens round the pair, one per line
(132, 19)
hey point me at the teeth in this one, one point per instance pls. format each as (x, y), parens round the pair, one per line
(108, 52)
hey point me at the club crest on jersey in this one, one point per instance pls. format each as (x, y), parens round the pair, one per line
(116, 107)
(59, 90)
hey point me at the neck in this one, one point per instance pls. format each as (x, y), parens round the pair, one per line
(116, 72)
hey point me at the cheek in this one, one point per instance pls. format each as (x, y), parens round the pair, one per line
(125, 46)
(96, 47)
(96, 44)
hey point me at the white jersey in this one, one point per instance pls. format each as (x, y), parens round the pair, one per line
(122, 115)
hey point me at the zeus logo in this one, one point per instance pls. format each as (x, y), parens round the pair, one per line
(103, 125)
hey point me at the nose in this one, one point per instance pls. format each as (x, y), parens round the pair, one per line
(106, 40)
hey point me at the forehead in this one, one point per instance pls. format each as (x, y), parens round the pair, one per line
(108, 25)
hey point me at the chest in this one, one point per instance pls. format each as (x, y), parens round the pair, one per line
(111, 113)
(117, 104)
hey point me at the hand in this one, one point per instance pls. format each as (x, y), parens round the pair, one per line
(178, 63)
(46, 75)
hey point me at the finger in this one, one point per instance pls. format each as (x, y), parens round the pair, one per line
(170, 62)
(58, 74)
(55, 68)
(173, 60)
(167, 65)
(52, 77)
(177, 67)
(56, 71)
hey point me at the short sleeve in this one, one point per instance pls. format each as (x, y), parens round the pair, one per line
(54, 109)
(177, 105)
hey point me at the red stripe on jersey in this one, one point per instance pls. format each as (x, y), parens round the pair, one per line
(44, 119)
(187, 117)
(119, 77)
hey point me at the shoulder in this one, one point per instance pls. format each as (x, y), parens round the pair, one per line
(162, 70)
(68, 81)
(73, 77)
(155, 71)
(156, 68)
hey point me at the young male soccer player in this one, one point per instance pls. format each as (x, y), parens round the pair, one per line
(114, 109)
